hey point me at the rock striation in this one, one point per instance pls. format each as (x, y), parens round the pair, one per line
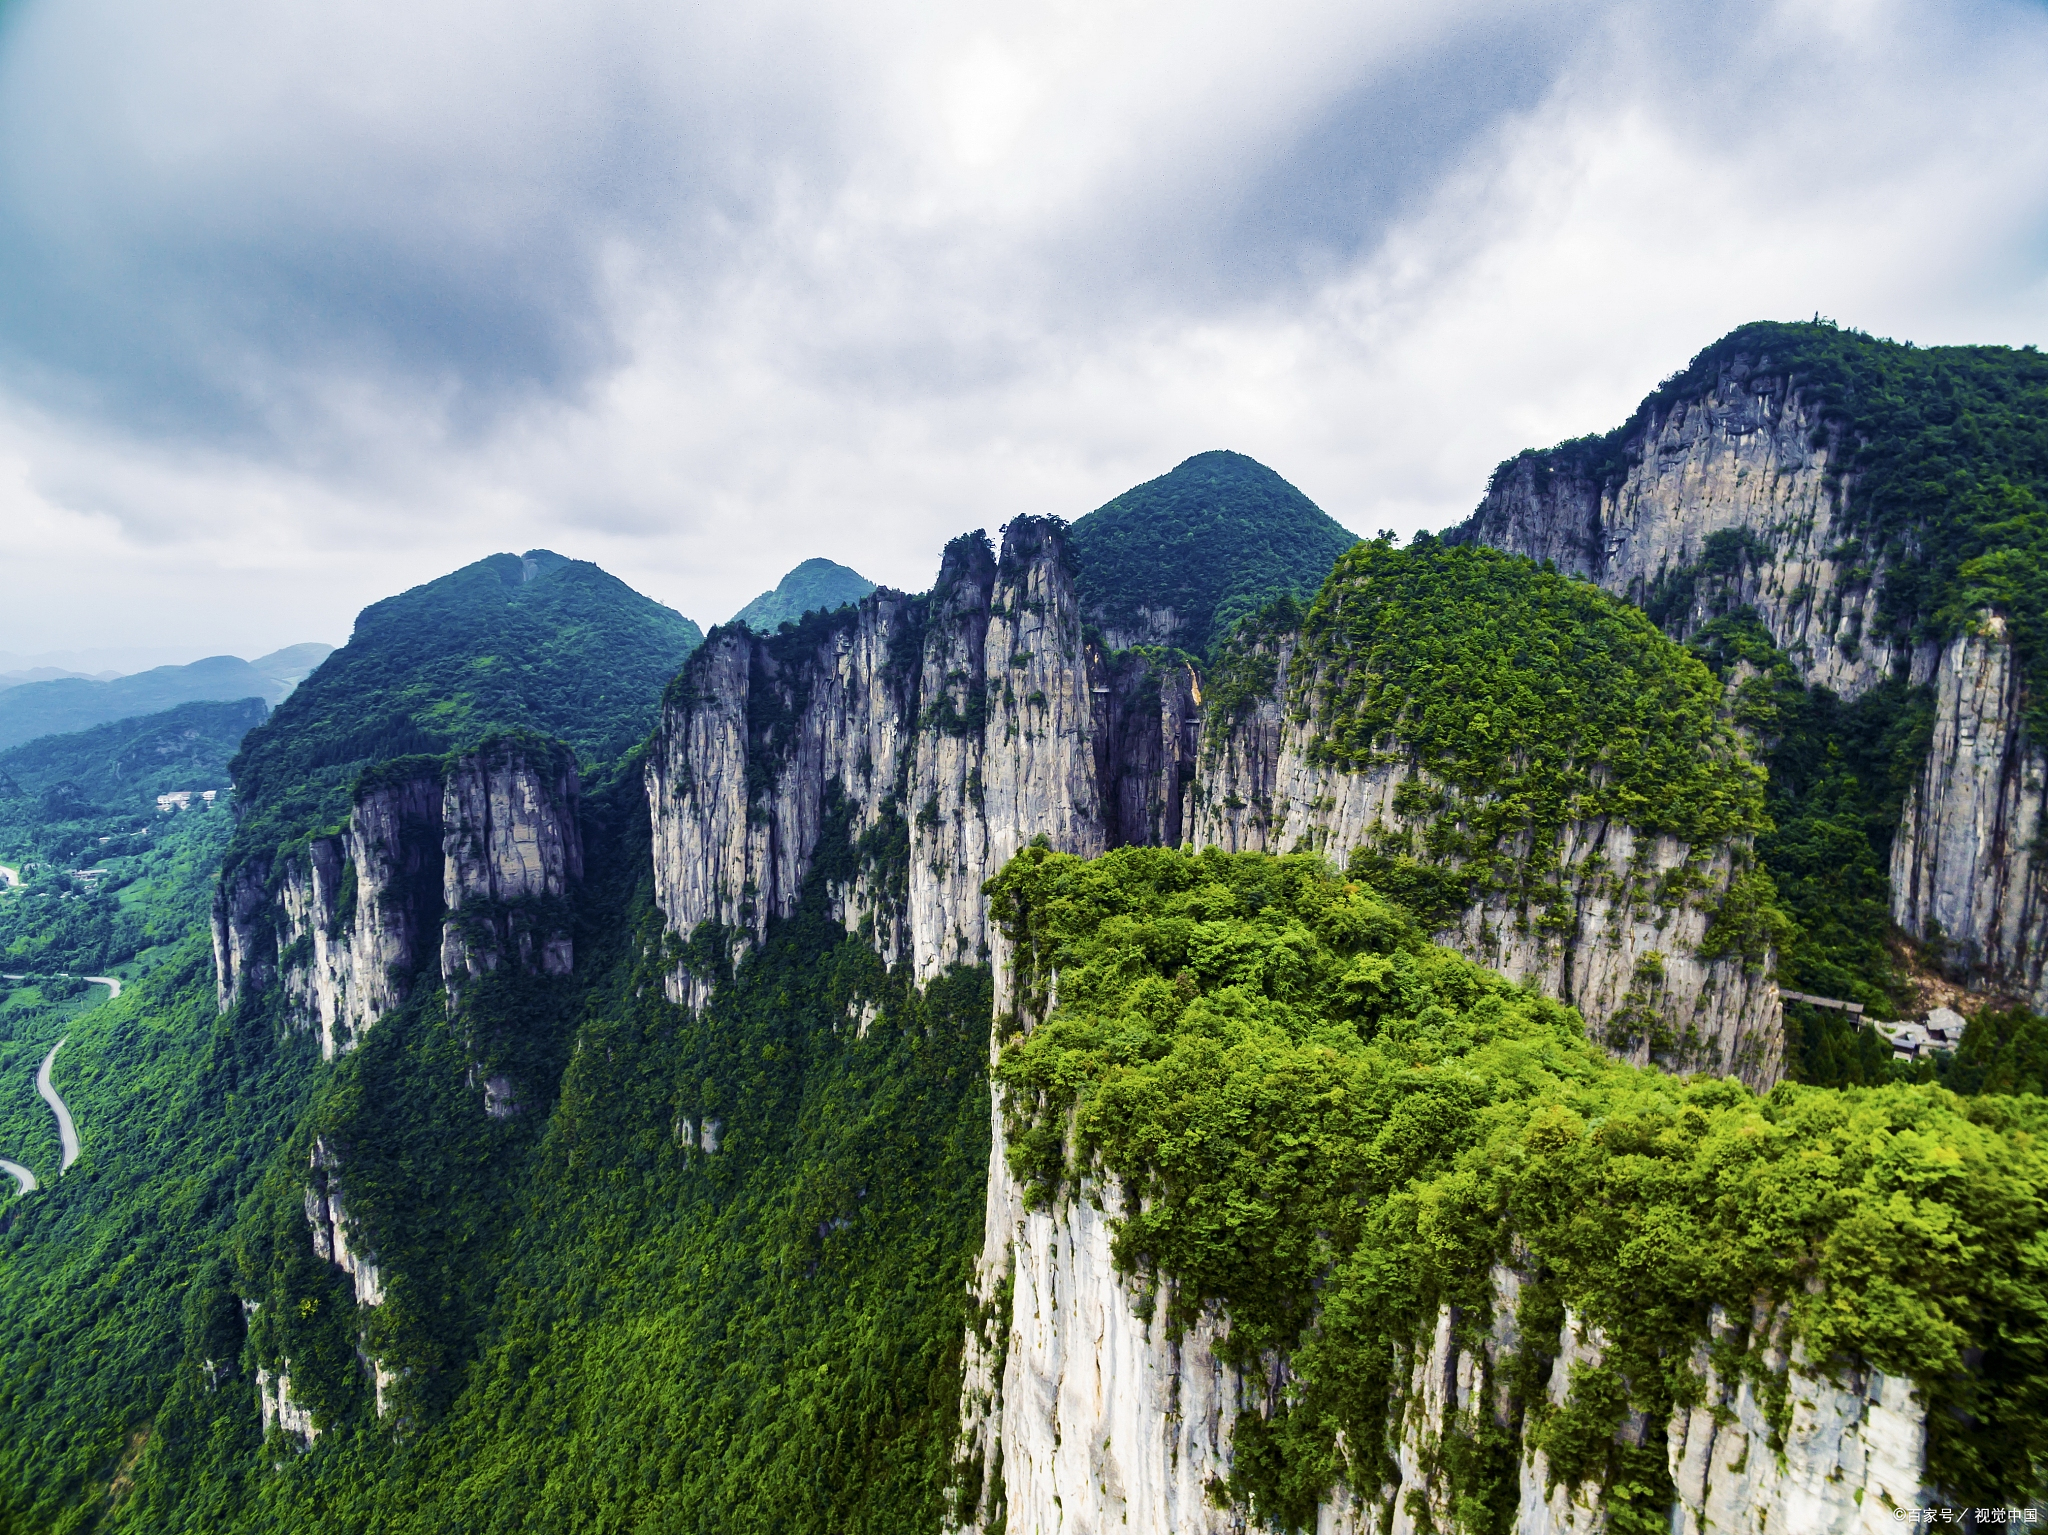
(447, 870)
(1966, 868)
(1705, 504)
(274, 1405)
(931, 736)
(907, 748)
(334, 1240)
(1731, 498)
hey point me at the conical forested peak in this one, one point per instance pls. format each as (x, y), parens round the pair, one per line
(532, 642)
(816, 583)
(1178, 560)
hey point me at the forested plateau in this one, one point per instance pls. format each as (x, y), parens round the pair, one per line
(1195, 1022)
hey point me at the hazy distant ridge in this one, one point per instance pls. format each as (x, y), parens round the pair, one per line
(70, 704)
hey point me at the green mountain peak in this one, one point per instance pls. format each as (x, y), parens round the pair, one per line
(1180, 559)
(816, 583)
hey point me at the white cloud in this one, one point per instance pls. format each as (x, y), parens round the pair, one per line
(698, 295)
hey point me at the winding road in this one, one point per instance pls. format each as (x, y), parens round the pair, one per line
(9, 877)
(67, 1132)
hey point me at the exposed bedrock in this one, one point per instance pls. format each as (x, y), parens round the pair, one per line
(334, 1237)
(1748, 466)
(1083, 1412)
(445, 871)
(1620, 939)
(1966, 867)
(959, 725)
(1748, 461)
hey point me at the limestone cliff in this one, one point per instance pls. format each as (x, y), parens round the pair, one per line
(1738, 494)
(334, 1238)
(1966, 865)
(957, 725)
(1626, 915)
(1084, 1412)
(446, 870)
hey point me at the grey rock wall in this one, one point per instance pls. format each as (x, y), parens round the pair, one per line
(966, 723)
(444, 872)
(1750, 462)
(335, 1239)
(511, 853)
(1966, 862)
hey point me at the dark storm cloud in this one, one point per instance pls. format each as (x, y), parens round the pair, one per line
(201, 211)
(300, 304)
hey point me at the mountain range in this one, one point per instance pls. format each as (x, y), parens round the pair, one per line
(60, 706)
(1196, 1022)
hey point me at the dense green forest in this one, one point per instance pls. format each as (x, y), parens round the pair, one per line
(713, 1277)
(1333, 1127)
(764, 1335)
(1519, 700)
(1215, 540)
(592, 1316)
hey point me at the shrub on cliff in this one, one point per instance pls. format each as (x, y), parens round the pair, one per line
(1333, 1127)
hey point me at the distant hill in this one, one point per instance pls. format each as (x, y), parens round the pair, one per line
(132, 761)
(15, 679)
(812, 585)
(292, 665)
(1180, 559)
(533, 642)
(68, 704)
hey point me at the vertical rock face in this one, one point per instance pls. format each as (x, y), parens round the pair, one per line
(328, 1219)
(1620, 939)
(511, 852)
(275, 1406)
(760, 737)
(955, 729)
(356, 914)
(1148, 725)
(446, 870)
(244, 950)
(1083, 1413)
(1745, 467)
(1727, 499)
(966, 723)
(1966, 864)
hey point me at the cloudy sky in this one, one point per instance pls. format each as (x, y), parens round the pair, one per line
(304, 304)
